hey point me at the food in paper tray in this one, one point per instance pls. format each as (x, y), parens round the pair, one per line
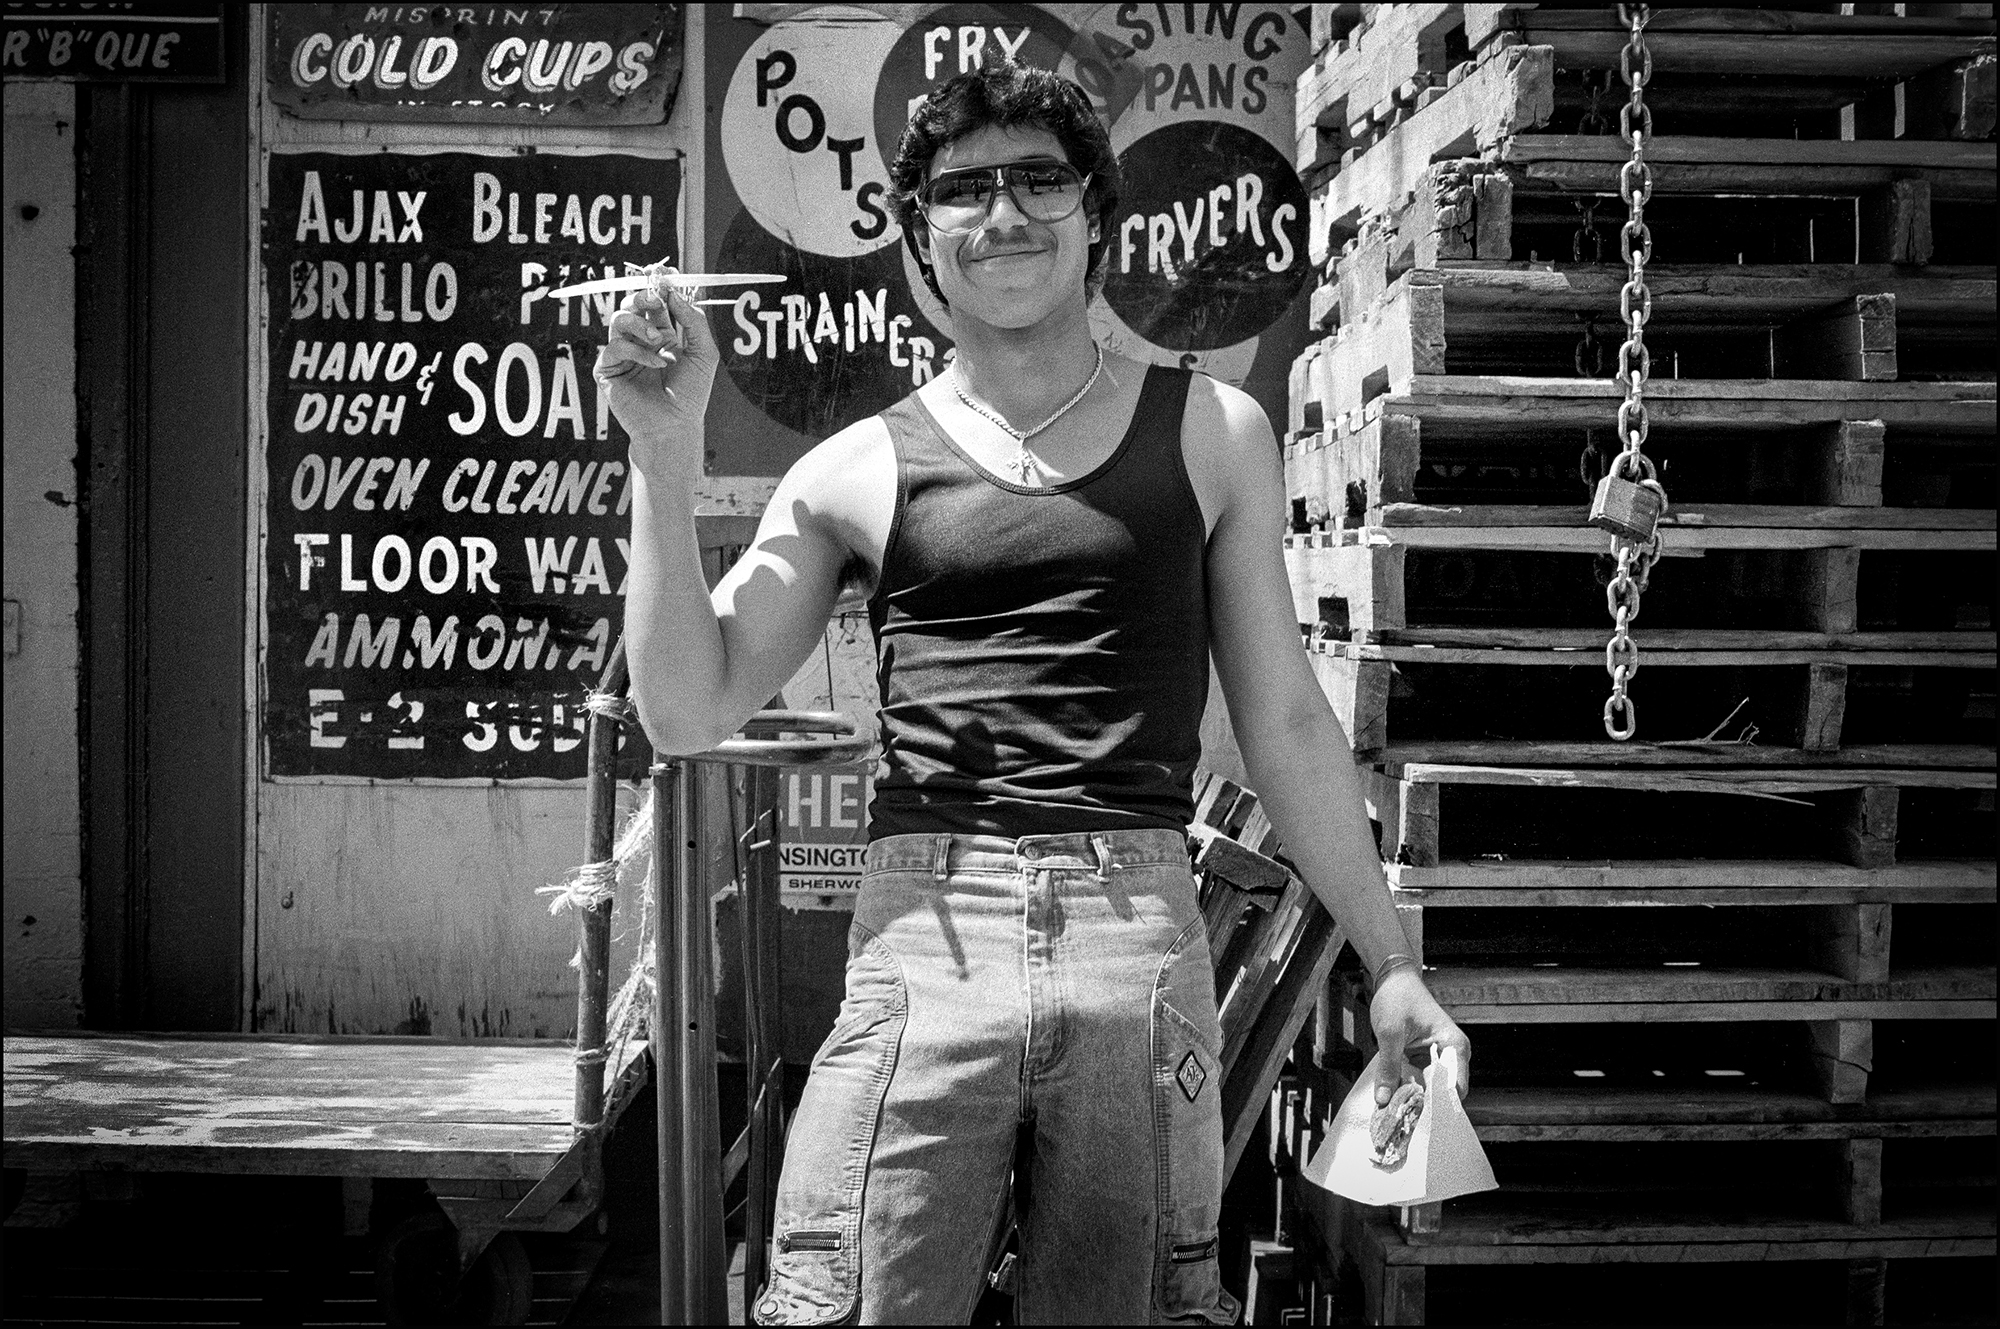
(1394, 1123)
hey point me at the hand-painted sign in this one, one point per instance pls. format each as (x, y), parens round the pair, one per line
(446, 501)
(1210, 237)
(113, 43)
(1208, 262)
(548, 65)
(823, 835)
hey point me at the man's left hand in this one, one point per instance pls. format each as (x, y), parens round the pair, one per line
(1404, 1016)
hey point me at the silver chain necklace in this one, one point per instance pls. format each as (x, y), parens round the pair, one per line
(1027, 461)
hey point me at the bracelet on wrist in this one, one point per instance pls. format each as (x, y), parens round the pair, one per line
(1391, 963)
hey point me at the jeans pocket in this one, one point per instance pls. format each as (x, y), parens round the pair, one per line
(1187, 1120)
(1190, 1287)
(1186, 987)
(816, 1256)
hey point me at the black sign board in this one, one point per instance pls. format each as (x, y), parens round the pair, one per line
(113, 43)
(446, 507)
(492, 64)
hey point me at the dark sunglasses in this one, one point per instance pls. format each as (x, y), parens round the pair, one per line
(956, 202)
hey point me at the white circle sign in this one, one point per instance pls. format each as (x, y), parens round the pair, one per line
(798, 131)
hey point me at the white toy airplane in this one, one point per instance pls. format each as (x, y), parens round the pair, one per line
(685, 282)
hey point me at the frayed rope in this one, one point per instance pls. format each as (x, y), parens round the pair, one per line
(585, 887)
(609, 704)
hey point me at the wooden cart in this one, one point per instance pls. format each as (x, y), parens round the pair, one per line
(505, 1135)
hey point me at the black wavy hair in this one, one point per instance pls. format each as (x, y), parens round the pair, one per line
(1006, 94)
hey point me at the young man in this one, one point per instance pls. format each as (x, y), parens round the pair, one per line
(1058, 541)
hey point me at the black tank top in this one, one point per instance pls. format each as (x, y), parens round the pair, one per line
(1042, 653)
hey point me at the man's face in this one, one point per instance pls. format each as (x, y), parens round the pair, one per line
(1011, 271)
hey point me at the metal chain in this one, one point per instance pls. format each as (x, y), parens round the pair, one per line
(1635, 305)
(1590, 465)
(1594, 120)
(1586, 229)
(1588, 355)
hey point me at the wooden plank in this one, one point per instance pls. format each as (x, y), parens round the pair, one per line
(1848, 473)
(1712, 1113)
(310, 1149)
(1667, 151)
(1852, 941)
(1588, 539)
(1843, 1053)
(1879, 56)
(1697, 1245)
(1716, 1012)
(1728, 291)
(1358, 691)
(1245, 868)
(1861, 1179)
(1363, 275)
(1668, 640)
(1401, 1300)
(1943, 408)
(1395, 44)
(1728, 176)
(1895, 223)
(1749, 893)
(1856, 342)
(1867, 1290)
(1417, 825)
(1492, 882)
(1479, 986)
(1341, 590)
(1655, 885)
(1883, 20)
(1827, 331)
(1867, 825)
(1820, 708)
(1693, 781)
(1830, 585)
(1257, 956)
(1493, 216)
(1706, 516)
(1952, 101)
(1440, 222)
(1493, 1229)
(1773, 1132)
(298, 1106)
(1380, 348)
(1825, 721)
(1284, 1014)
(1376, 464)
(1793, 781)
(1504, 95)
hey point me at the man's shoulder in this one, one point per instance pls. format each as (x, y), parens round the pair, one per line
(844, 486)
(853, 451)
(1223, 411)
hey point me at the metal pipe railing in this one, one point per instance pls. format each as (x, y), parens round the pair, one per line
(693, 1277)
(593, 971)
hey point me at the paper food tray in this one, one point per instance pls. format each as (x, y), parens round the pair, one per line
(1444, 1158)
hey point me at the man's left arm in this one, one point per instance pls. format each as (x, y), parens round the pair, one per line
(1294, 750)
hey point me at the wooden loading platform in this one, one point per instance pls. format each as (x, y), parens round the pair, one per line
(440, 1149)
(1730, 986)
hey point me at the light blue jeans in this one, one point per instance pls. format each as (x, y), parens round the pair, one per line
(1056, 989)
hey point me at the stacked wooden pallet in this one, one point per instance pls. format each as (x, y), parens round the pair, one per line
(1731, 987)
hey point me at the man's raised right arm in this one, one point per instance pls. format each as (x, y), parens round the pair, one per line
(702, 663)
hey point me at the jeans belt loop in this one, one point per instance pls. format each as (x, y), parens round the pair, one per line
(941, 861)
(1104, 863)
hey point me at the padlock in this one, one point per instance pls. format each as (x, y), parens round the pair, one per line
(1628, 509)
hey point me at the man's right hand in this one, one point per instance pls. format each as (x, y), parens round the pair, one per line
(657, 368)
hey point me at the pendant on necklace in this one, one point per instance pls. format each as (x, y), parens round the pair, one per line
(1024, 465)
